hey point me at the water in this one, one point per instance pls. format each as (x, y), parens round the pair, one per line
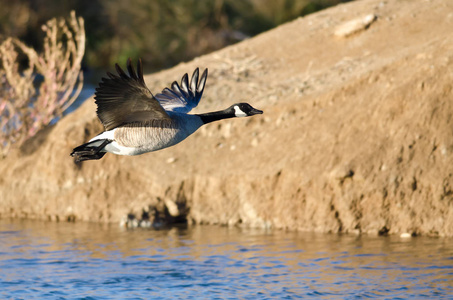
(86, 92)
(43, 260)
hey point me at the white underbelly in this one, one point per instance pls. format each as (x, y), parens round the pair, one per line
(116, 148)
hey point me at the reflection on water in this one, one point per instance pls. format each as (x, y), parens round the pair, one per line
(92, 261)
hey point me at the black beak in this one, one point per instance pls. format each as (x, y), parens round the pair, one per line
(255, 111)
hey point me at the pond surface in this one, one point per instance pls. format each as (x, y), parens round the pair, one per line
(44, 260)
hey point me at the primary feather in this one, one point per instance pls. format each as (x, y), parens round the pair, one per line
(183, 98)
(123, 98)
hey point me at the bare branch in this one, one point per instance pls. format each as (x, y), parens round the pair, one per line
(25, 108)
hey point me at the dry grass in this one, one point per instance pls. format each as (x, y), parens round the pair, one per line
(28, 104)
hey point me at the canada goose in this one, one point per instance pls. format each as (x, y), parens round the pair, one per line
(138, 122)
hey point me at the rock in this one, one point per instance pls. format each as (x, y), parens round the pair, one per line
(353, 26)
(364, 148)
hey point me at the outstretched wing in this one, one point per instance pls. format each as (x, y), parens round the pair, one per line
(182, 98)
(123, 99)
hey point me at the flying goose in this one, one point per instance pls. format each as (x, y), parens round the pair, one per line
(138, 122)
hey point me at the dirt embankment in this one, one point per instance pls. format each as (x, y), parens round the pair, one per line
(357, 134)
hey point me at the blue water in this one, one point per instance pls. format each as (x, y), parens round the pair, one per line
(43, 260)
(87, 92)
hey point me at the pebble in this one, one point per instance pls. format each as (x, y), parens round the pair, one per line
(348, 28)
(171, 160)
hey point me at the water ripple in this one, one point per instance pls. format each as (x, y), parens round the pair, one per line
(85, 261)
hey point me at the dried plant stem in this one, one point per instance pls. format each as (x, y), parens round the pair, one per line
(27, 106)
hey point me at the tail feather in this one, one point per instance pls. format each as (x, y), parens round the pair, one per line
(90, 150)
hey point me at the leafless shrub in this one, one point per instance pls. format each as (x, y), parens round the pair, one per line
(26, 105)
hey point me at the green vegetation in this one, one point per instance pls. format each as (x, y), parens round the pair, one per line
(162, 32)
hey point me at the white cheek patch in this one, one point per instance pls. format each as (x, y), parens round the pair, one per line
(238, 112)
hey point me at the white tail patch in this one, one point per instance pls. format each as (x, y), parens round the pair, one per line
(238, 112)
(109, 135)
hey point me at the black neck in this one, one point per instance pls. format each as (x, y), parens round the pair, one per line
(215, 116)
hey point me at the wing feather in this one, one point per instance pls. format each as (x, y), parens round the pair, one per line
(182, 98)
(125, 98)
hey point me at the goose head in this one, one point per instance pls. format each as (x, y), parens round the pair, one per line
(234, 111)
(244, 110)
